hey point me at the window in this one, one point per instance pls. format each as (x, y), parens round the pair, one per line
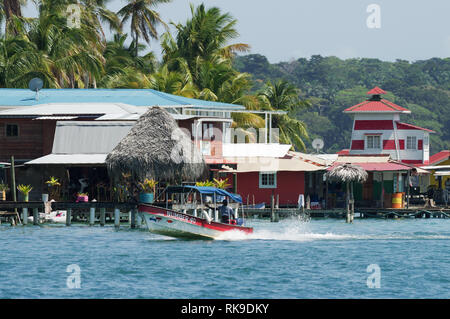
(373, 142)
(12, 130)
(268, 180)
(411, 143)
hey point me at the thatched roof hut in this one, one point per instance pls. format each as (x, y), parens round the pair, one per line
(345, 173)
(348, 173)
(156, 148)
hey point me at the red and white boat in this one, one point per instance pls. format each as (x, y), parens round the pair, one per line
(186, 216)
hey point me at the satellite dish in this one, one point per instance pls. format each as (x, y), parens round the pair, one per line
(317, 144)
(35, 85)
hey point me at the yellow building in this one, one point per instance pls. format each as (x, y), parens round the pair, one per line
(440, 175)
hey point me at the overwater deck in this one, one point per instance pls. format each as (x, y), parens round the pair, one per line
(109, 212)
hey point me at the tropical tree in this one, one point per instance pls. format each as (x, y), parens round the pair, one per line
(284, 96)
(144, 19)
(203, 36)
(11, 9)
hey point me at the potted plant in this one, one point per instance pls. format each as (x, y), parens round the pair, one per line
(82, 197)
(25, 190)
(3, 189)
(53, 185)
(148, 191)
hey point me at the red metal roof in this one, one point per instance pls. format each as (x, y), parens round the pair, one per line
(406, 126)
(439, 157)
(217, 161)
(345, 151)
(382, 106)
(379, 167)
(376, 91)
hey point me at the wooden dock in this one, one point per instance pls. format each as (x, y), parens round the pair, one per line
(92, 213)
(385, 213)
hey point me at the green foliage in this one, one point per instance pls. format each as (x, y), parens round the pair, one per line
(332, 85)
(24, 189)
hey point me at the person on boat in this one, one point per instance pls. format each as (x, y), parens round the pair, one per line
(227, 213)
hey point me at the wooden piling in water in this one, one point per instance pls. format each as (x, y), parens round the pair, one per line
(25, 215)
(116, 217)
(68, 217)
(133, 218)
(35, 216)
(102, 216)
(92, 216)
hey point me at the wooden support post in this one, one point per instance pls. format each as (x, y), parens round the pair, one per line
(35, 216)
(69, 216)
(382, 190)
(116, 217)
(352, 203)
(347, 202)
(408, 188)
(25, 215)
(92, 216)
(102, 216)
(13, 182)
(272, 209)
(133, 218)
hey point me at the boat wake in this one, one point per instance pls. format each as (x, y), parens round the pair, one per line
(302, 233)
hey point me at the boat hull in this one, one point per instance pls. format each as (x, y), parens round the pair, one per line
(175, 224)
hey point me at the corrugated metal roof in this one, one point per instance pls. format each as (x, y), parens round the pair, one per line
(440, 157)
(277, 165)
(376, 91)
(78, 137)
(406, 126)
(68, 159)
(67, 109)
(382, 106)
(384, 158)
(137, 97)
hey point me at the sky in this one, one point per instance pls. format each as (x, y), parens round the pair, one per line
(284, 30)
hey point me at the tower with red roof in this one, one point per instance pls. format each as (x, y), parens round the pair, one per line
(377, 129)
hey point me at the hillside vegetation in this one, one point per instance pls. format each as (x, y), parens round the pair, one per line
(332, 84)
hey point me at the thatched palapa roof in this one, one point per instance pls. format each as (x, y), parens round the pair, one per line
(156, 148)
(345, 173)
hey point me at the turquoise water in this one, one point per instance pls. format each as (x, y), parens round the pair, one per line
(290, 259)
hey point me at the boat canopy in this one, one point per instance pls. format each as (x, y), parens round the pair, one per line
(204, 190)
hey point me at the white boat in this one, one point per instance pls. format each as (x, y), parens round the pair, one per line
(188, 217)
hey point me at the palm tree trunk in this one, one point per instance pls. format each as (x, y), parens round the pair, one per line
(137, 43)
(11, 8)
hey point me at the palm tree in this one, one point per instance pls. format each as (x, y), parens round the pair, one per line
(144, 19)
(11, 9)
(284, 96)
(205, 35)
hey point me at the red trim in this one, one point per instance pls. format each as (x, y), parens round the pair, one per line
(357, 145)
(401, 144)
(406, 126)
(412, 161)
(389, 144)
(420, 145)
(373, 125)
